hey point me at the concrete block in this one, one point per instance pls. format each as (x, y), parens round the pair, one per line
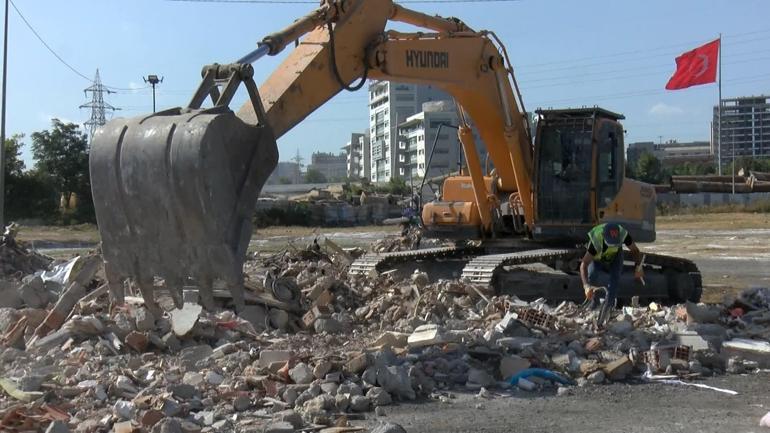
(426, 335)
(692, 339)
(526, 384)
(511, 365)
(619, 368)
(267, 357)
(517, 343)
(392, 339)
(357, 364)
(750, 350)
(315, 313)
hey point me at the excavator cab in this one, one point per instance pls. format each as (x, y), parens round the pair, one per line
(174, 192)
(580, 177)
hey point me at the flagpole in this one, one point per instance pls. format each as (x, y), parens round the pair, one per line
(719, 110)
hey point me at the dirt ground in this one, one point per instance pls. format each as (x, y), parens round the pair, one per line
(620, 407)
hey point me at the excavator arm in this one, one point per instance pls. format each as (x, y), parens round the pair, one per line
(345, 41)
(174, 191)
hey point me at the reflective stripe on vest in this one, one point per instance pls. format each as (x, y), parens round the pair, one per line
(596, 238)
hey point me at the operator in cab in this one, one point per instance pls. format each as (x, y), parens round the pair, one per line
(602, 263)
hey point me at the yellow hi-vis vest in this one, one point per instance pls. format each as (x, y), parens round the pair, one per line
(596, 237)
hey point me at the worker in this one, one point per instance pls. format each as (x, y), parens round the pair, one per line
(602, 263)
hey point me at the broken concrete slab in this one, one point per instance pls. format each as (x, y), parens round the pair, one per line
(301, 373)
(701, 313)
(751, 350)
(426, 335)
(183, 320)
(511, 365)
(525, 384)
(268, 357)
(396, 381)
(619, 368)
(34, 294)
(692, 339)
(357, 364)
(392, 339)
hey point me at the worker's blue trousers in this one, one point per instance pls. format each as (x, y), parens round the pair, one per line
(606, 275)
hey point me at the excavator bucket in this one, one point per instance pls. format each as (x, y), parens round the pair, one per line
(175, 192)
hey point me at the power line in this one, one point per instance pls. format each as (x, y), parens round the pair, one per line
(45, 44)
(48, 47)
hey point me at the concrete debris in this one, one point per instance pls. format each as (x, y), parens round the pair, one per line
(751, 350)
(425, 335)
(301, 374)
(183, 319)
(315, 346)
(596, 377)
(512, 364)
(526, 385)
(388, 428)
(765, 421)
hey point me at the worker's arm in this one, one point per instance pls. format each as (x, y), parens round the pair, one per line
(587, 259)
(637, 256)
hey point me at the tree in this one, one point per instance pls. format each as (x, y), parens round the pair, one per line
(62, 154)
(648, 168)
(28, 194)
(398, 186)
(14, 166)
(314, 176)
(283, 180)
(630, 170)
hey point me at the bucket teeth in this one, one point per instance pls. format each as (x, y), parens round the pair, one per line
(174, 195)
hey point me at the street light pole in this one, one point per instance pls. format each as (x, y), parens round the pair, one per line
(153, 80)
(2, 121)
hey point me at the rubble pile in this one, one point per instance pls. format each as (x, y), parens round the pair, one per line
(16, 259)
(316, 349)
(409, 240)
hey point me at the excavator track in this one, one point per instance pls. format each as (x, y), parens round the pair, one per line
(378, 261)
(483, 269)
(681, 277)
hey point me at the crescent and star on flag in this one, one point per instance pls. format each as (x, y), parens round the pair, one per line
(696, 67)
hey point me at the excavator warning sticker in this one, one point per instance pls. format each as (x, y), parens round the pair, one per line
(427, 59)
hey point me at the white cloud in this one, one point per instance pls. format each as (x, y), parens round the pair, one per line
(662, 109)
(47, 118)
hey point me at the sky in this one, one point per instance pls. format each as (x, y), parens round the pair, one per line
(566, 53)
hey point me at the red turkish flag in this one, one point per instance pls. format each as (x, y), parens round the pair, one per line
(695, 67)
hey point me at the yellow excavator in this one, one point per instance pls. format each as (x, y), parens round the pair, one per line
(174, 191)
